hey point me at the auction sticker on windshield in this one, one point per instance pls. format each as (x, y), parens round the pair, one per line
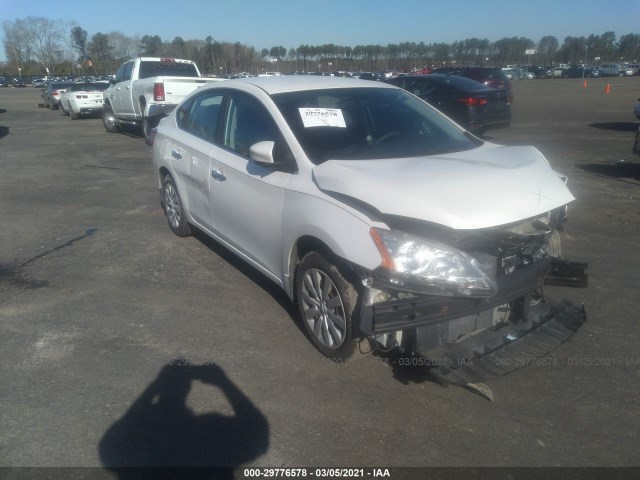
(322, 117)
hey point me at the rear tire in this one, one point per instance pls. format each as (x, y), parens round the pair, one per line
(74, 116)
(173, 209)
(147, 125)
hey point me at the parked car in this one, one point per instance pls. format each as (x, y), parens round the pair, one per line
(557, 72)
(38, 82)
(3, 82)
(580, 72)
(518, 74)
(381, 219)
(147, 88)
(51, 94)
(540, 72)
(611, 70)
(493, 77)
(18, 82)
(472, 104)
(83, 99)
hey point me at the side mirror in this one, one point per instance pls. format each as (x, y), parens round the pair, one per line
(262, 152)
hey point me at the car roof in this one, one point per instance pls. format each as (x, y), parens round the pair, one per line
(456, 81)
(297, 83)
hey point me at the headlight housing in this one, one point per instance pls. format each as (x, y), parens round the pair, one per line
(425, 266)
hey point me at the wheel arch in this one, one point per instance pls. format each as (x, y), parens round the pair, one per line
(310, 243)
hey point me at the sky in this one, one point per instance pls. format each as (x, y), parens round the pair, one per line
(290, 23)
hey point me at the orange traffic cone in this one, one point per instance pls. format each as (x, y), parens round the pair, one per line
(584, 83)
(607, 89)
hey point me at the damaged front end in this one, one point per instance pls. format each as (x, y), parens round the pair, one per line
(471, 301)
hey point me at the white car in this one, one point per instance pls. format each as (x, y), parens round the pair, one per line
(82, 99)
(384, 221)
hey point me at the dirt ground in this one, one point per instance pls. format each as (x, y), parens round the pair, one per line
(118, 338)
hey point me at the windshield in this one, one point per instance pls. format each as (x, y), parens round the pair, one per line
(368, 123)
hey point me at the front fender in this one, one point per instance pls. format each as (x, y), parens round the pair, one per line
(345, 231)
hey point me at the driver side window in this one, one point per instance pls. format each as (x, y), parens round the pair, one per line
(247, 123)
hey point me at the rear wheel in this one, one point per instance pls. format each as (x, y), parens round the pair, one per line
(62, 110)
(147, 125)
(173, 208)
(326, 301)
(109, 119)
(74, 116)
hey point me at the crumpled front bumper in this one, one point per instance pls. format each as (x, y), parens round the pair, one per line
(535, 326)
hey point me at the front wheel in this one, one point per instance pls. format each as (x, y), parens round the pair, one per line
(109, 119)
(326, 301)
(173, 208)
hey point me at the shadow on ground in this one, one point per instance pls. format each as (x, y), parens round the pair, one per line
(616, 126)
(618, 171)
(160, 431)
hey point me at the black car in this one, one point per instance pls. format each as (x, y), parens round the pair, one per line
(18, 82)
(492, 77)
(580, 72)
(473, 105)
(3, 82)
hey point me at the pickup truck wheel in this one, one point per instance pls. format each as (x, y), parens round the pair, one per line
(326, 301)
(109, 120)
(147, 125)
(173, 209)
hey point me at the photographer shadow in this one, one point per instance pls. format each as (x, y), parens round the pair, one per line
(160, 434)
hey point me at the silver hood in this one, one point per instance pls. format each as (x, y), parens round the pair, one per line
(486, 187)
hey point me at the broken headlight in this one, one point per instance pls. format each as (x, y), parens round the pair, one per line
(425, 266)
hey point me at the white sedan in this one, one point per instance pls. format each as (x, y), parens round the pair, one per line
(82, 99)
(381, 219)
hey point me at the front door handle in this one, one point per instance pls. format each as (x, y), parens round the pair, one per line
(176, 154)
(218, 175)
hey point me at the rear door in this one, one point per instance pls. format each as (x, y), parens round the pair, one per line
(191, 153)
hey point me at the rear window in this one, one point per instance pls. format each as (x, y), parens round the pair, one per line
(167, 69)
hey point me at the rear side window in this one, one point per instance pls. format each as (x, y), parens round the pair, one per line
(200, 117)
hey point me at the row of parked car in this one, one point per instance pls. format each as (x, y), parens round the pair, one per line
(76, 98)
(572, 71)
(14, 82)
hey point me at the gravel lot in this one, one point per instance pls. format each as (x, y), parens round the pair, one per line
(120, 342)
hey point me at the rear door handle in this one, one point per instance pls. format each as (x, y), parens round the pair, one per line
(218, 175)
(176, 154)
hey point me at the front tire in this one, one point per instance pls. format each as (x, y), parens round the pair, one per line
(74, 116)
(326, 301)
(173, 208)
(109, 120)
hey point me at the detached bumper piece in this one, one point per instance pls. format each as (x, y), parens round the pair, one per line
(497, 352)
(564, 273)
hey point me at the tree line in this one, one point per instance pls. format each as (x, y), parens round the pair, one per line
(37, 45)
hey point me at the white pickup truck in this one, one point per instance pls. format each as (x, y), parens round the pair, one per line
(147, 88)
